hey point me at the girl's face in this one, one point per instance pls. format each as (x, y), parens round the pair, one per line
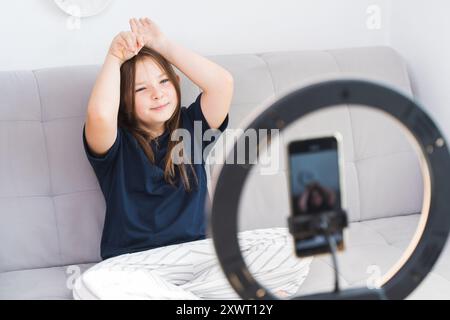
(316, 199)
(155, 96)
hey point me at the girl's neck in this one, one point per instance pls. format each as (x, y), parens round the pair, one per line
(155, 131)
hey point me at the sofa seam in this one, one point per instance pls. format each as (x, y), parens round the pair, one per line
(380, 234)
(49, 169)
(269, 72)
(384, 155)
(43, 121)
(384, 238)
(49, 195)
(333, 57)
(51, 267)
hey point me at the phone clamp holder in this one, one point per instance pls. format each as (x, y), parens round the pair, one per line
(304, 226)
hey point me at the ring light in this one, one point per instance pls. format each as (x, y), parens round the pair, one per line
(434, 225)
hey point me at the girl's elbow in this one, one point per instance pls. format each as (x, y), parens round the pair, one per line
(229, 78)
(230, 83)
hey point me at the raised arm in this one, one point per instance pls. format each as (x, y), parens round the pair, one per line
(103, 107)
(215, 82)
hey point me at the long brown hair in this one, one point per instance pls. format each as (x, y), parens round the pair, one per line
(127, 117)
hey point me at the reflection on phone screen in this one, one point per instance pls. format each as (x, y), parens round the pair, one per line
(315, 187)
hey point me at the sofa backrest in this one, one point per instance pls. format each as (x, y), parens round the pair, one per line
(382, 174)
(51, 206)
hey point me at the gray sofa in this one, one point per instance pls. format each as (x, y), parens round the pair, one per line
(52, 210)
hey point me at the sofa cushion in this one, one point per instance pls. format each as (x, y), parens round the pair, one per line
(34, 284)
(370, 243)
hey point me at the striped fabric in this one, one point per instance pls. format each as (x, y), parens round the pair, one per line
(191, 270)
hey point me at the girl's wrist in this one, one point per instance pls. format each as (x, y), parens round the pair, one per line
(114, 59)
(162, 45)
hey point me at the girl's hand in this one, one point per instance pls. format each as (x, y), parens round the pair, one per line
(149, 32)
(125, 46)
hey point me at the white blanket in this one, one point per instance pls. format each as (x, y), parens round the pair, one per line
(191, 270)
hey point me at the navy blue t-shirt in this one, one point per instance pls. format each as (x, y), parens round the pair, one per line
(143, 211)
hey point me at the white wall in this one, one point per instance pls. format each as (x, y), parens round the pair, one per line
(34, 33)
(420, 32)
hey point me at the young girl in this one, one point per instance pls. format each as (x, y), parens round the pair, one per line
(154, 242)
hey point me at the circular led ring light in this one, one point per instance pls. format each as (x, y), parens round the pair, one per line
(434, 226)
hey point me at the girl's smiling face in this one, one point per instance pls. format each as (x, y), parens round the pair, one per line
(155, 96)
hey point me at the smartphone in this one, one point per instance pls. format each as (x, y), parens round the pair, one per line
(314, 171)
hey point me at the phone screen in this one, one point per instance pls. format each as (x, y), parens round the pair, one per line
(314, 186)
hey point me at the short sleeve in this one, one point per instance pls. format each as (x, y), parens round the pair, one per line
(103, 164)
(195, 114)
